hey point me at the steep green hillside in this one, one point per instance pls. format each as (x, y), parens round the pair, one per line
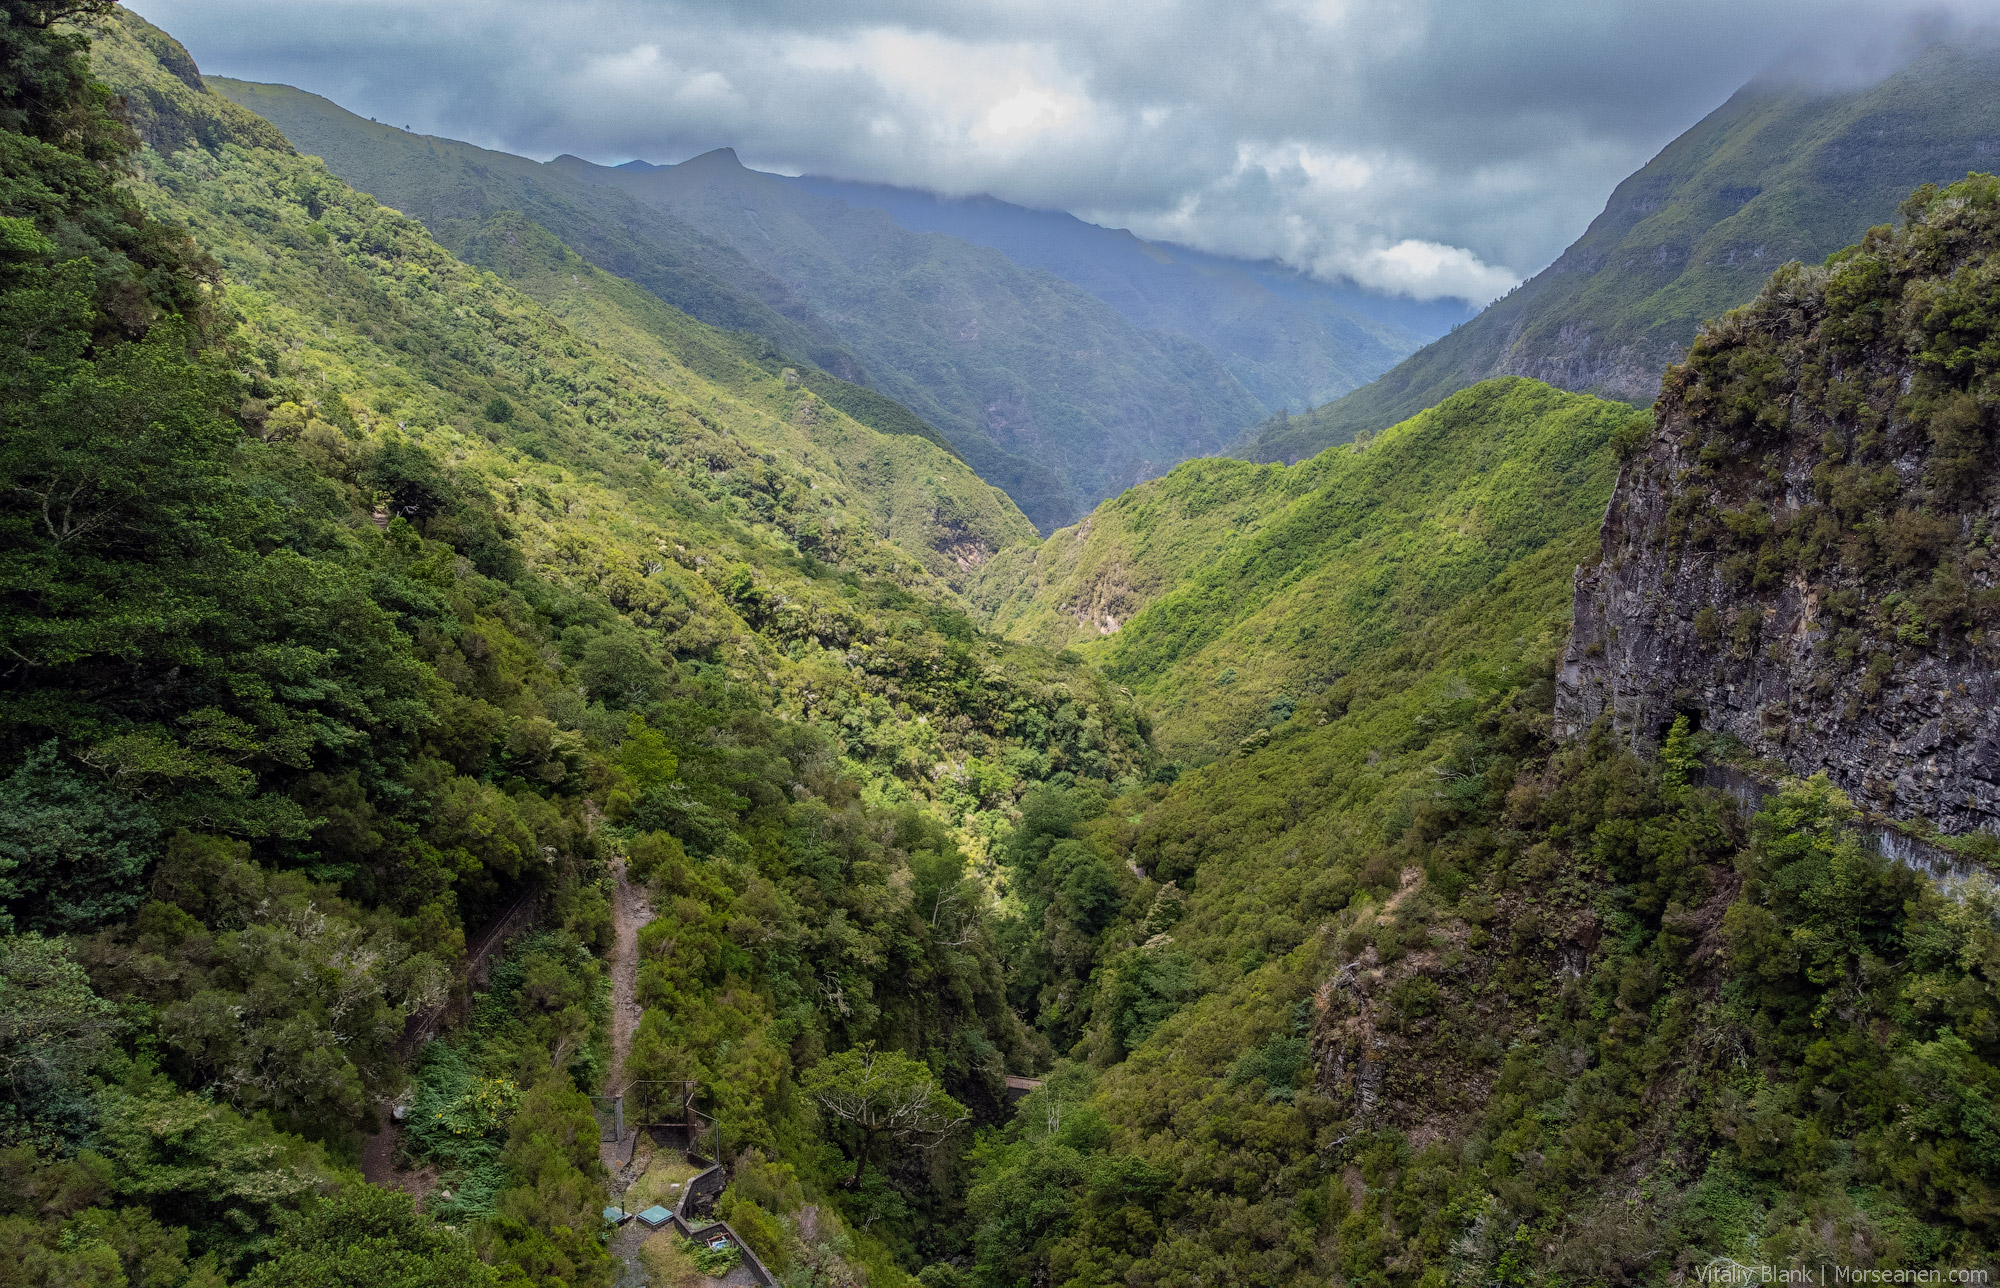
(1049, 393)
(453, 187)
(1228, 594)
(910, 485)
(667, 382)
(1779, 172)
(632, 455)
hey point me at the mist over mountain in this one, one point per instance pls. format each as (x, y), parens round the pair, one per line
(1788, 168)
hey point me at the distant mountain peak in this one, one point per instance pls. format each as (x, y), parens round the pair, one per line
(715, 157)
(639, 165)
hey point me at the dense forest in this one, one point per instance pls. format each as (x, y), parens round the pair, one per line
(361, 599)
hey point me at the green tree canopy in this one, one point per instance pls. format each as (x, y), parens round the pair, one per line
(370, 1238)
(882, 1095)
(53, 1027)
(72, 851)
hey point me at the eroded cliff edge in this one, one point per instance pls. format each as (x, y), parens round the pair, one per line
(1800, 554)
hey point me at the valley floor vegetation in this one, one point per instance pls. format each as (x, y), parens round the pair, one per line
(353, 594)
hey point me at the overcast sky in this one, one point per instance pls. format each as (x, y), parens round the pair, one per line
(1424, 147)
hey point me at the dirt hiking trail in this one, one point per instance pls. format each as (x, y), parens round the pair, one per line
(630, 911)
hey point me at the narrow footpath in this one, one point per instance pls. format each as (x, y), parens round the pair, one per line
(630, 911)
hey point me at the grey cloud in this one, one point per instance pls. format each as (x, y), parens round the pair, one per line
(1415, 145)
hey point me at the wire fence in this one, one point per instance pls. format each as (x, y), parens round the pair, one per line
(663, 1107)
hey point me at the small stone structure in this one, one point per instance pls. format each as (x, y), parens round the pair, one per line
(651, 1110)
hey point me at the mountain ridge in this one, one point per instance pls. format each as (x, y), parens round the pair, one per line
(451, 186)
(1107, 404)
(1780, 171)
(1230, 594)
(1244, 312)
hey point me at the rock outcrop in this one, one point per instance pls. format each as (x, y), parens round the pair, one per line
(1801, 555)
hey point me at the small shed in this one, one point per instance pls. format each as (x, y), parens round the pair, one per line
(654, 1217)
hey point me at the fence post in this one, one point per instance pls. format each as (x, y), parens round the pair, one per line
(618, 1117)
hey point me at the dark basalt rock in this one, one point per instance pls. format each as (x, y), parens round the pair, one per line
(1927, 745)
(1802, 554)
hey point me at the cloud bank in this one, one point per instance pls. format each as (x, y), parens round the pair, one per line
(1416, 147)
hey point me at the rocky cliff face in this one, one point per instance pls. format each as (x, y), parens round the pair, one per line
(1802, 553)
(1577, 359)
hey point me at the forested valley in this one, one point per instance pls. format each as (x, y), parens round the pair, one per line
(1203, 895)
